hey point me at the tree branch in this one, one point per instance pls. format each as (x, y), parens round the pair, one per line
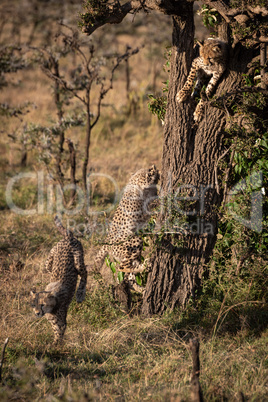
(237, 92)
(63, 83)
(103, 90)
(73, 168)
(228, 13)
(113, 15)
(115, 12)
(221, 8)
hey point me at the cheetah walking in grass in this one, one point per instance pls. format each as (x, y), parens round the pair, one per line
(65, 262)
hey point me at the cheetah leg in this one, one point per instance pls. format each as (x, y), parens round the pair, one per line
(49, 261)
(130, 265)
(213, 82)
(139, 268)
(198, 85)
(131, 268)
(185, 92)
(131, 278)
(58, 323)
(199, 111)
(81, 269)
(98, 261)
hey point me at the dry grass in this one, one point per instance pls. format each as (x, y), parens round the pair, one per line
(111, 357)
(106, 354)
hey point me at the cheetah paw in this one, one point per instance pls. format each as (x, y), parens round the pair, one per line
(182, 96)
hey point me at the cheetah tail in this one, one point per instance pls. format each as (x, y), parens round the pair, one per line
(62, 230)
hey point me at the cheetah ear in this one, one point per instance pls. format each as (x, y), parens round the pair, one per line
(33, 292)
(216, 48)
(151, 172)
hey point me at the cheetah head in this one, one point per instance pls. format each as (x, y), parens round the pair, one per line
(141, 189)
(43, 302)
(213, 50)
(145, 178)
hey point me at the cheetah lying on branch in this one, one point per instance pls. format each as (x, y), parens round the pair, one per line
(211, 64)
(65, 262)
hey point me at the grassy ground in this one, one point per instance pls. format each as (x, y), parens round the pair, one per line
(108, 355)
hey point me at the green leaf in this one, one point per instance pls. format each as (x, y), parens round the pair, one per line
(211, 21)
(139, 280)
(120, 276)
(112, 266)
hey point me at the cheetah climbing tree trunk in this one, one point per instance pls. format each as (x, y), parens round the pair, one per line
(189, 169)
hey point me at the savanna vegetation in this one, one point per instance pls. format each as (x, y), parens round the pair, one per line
(74, 107)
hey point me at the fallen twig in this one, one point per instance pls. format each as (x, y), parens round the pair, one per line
(196, 392)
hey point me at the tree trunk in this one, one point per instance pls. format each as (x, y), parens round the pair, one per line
(88, 135)
(73, 169)
(58, 104)
(190, 156)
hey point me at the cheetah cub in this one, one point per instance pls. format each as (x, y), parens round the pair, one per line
(211, 63)
(65, 262)
(132, 214)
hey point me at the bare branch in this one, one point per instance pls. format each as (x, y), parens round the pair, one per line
(73, 168)
(63, 83)
(114, 15)
(103, 90)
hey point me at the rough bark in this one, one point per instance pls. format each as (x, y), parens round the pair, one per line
(190, 156)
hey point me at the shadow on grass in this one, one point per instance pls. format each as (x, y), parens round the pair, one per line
(251, 319)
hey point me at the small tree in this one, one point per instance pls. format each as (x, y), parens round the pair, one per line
(49, 59)
(12, 59)
(79, 83)
(87, 73)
